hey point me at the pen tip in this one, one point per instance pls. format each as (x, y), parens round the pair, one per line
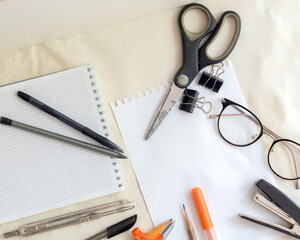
(23, 95)
(116, 147)
(183, 206)
(5, 121)
(122, 156)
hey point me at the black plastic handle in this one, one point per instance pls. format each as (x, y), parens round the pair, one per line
(190, 45)
(265, 224)
(100, 139)
(282, 200)
(204, 58)
(121, 226)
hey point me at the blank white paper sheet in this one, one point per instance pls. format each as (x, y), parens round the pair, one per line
(186, 151)
(38, 173)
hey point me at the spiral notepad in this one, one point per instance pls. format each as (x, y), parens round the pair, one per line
(39, 173)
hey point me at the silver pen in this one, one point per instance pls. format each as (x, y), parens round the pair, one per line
(104, 150)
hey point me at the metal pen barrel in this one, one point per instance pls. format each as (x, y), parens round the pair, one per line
(67, 139)
(40, 131)
(98, 236)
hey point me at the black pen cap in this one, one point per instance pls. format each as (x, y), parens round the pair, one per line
(5, 121)
(24, 96)
(121, 226)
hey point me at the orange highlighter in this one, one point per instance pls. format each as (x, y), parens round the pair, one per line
(207, 224)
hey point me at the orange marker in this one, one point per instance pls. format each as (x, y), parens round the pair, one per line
(207, 224)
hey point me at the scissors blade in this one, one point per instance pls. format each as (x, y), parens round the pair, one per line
(168, 102)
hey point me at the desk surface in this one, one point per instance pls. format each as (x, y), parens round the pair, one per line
(140, 54)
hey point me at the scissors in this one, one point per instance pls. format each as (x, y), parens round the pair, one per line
(194, 58)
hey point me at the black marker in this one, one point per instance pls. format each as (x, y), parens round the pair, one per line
(72, 123)
(115, 229)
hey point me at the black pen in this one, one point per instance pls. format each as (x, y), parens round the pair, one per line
(115, 229)
(72, 123)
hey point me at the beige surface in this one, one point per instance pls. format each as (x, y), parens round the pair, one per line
(33, 21)
(140, 54)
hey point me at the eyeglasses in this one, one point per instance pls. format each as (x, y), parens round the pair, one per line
(240, 127)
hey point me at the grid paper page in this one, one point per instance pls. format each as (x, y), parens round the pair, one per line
(38, 173)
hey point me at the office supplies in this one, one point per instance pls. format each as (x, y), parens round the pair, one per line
(204, 215)
(72, 123)
(107, 151)
(38, 173)
(190, 101)
(139, 235)
(115, 229)
(240, 127)
(161, 227)
(189, 152)
(211, 81)
(189, 225)
(278, 203)
(194, 59)
(70, 219)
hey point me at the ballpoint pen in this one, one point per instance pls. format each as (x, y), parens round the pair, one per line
(104, 150)
(115, 229)
(72, 123)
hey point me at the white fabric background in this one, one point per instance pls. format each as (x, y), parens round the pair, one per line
(133, 56)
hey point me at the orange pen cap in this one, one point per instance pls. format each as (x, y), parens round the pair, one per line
(202, 208)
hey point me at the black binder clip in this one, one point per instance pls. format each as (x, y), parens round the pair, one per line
(213, 82)
(190, 101)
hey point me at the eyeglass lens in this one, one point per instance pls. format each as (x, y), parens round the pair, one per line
(284, 159)
(238, 126)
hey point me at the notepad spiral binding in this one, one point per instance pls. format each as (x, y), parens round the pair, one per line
(100, 106)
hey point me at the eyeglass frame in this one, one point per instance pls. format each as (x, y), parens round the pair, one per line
(276, 138)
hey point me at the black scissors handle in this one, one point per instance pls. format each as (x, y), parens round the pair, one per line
(204, 58)
(190, 44)
(193, 59)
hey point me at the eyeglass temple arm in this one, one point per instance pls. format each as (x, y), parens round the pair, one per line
(265, 129)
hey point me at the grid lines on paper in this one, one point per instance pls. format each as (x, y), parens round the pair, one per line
(36, 171)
